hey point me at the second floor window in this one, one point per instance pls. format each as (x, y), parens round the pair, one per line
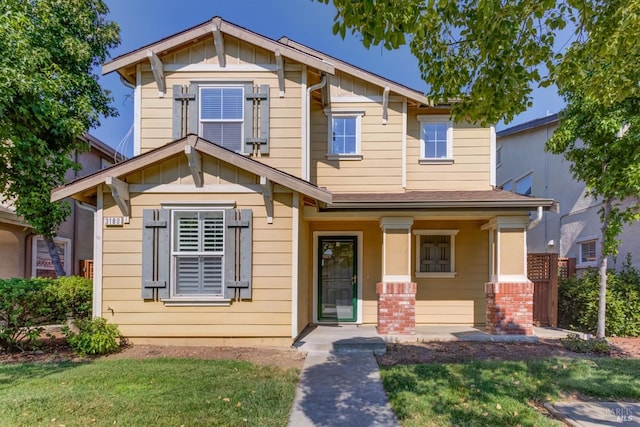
(344, 135)
(222, 115)
(436, 139)
(524, 185)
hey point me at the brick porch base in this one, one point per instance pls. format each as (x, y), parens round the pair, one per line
(396, 308)
(509, 308)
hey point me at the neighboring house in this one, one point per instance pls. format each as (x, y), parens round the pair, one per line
(274, 187)
(24, 254)
(573, 230)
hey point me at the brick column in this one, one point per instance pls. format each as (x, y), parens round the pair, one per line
(397, 308)
(509, 308)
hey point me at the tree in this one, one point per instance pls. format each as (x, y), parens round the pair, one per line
(49, 96)
(487, 55)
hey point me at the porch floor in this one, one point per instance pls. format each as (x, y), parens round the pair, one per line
(353, 338)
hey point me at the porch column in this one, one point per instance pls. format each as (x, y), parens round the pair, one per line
(396, 292)
(509, 293)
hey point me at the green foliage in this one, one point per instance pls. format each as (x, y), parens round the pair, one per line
(578, 302)
(49, 96)
(574, 343)
(73, 297)
(24, 307)
(95, 336)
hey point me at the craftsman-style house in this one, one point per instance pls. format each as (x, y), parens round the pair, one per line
(273, 186)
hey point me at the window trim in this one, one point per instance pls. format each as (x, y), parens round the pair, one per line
(226, 84)
(509, 181)
(517, 181)
(357, 114)
(436, 119)
(498, 156)
(579, 243)
(67, 259)
(443, 275)
(194, 300)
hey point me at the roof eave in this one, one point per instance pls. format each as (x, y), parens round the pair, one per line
(440, 205)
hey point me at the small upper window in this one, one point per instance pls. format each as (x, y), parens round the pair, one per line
(588, 252)
(221, 115)
(436, 139)
(344, 135)
(507, 186)
(499, 156)
(523, 185)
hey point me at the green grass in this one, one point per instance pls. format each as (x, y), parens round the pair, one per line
(502, 393)
(158, 392)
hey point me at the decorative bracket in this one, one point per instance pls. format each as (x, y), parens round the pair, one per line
(267, 193)
(195, 164)
(157, 67)
(120, 193)
(280, 71)
(218, 41)
(385, 105)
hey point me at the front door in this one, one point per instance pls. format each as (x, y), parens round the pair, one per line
(337, 278)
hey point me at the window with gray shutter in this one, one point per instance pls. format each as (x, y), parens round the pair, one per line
(222, 116)
(198, 252)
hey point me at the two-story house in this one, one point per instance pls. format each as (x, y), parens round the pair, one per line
(573, 230)
(23, 253)
(274, 186)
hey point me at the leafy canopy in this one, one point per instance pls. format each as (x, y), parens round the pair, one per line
(49, 96)
(489, 55)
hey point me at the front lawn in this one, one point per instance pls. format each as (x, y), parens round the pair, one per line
(502, 393)
(158, 392)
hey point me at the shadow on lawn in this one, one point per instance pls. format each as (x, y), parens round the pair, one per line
(10, 373)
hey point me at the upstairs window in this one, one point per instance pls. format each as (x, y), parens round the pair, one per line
(507, 186)
(523, 185)
(436, 139)
(222, 116)
(344, 136)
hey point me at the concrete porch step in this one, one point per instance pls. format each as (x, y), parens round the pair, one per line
(340, 339)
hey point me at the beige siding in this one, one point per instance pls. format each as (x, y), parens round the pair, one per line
(459, 300)
(471, 155)
(268, 314)
(512, 251)
(285, 113)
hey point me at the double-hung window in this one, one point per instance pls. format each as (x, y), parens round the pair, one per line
(345, 136)
(222, 115)
(198, 253)
(435, 253)
(436, 139)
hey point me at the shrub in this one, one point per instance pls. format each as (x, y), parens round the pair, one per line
(24, 307)
(95, 336)
(574, 343)
(72, 296)
(578, 301)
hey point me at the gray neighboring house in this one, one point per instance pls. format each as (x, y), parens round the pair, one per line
(523, 166)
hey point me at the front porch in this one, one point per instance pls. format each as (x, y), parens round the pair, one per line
(353, 338)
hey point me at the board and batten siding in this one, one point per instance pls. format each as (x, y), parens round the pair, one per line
(265, 318)
(285, 113)
(459, 300)
(471, 168)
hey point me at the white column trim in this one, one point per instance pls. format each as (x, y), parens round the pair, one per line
(395, 223)
(137, 112)
(97, 256)
(492, 172)
(295, 242)
(404, 143)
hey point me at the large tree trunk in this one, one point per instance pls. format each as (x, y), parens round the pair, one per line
(55, 257)
(602, 267)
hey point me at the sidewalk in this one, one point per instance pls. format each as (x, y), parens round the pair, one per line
(593, 414)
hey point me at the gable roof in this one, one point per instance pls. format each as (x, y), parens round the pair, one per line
(202, 145)
(287, 48)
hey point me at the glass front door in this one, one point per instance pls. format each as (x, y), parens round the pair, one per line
(337, 278)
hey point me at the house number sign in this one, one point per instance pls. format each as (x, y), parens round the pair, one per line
(113, 221)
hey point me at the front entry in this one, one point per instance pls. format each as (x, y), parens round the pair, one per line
(337, 278)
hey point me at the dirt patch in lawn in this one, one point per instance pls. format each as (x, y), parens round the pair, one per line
(464, 351)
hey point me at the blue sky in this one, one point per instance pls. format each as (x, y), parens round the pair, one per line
(146, 21)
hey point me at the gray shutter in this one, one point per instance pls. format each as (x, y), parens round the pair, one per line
(238, 253)
(182, 102)
(155, 253)
(256, 117)
(193, 123)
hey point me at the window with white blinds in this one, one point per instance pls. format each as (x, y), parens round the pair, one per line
(198, 250)
(222, 115)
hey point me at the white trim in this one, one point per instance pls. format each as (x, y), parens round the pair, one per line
(397, 278)
(396, 223)
(492, 162)
(229, 67)
(199, 204)
(137, 113)
(338, 113)
(404, 143)
(443, 161)
(196, 302)
(347, 157)
(304, 168)
(364, 99)
(295, 247)
(190, 188)
(581, 241)
(97, 255)
(437, 119)
(68, 255)
(512, 278)
(452, 264)
(358, 235)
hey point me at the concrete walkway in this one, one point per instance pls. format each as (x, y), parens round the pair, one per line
(340, 383)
